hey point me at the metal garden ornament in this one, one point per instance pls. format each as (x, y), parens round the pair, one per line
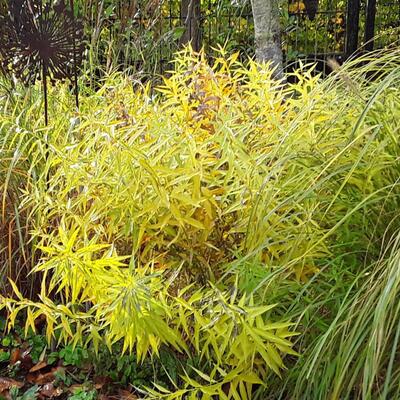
(39, 41)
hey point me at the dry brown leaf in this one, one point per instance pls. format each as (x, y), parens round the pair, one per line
(126, 395)
(15, 356)
(49, 391)
(40, 365)
(100, 381)
(38, 378)
(8, 383)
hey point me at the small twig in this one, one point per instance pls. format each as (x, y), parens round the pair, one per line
(189, 12)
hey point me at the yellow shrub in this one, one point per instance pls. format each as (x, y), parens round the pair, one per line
(151, 196)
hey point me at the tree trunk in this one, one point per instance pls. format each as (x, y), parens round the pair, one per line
(190, 17)
(268, 34)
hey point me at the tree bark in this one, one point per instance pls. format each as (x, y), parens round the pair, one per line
(190, 17)
(268, 34)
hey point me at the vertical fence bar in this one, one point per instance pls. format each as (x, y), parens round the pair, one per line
(370, 25)
(352, 26)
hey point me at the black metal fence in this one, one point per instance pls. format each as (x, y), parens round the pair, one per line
(144, 34)
(338, 28)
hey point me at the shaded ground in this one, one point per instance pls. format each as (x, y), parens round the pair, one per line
(30, 370)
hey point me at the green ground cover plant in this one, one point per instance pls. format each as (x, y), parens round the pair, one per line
(244, 227)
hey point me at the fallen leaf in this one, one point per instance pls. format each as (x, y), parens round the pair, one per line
(15, 356)
(126, 395)
(40, 365)
(100, 381)
(8, 383)
(41, 379)
(49, 391)
(30, 378)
